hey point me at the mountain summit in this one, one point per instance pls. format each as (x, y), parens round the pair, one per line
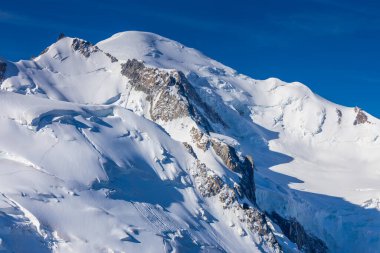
(141, 144)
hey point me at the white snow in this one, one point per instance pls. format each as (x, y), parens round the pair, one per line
(83, 167)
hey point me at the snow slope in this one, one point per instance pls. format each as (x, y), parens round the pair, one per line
(99, 179)
(80, 143)
(326, 162)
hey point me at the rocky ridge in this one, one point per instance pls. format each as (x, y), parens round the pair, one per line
(171, 96)
(173, 99)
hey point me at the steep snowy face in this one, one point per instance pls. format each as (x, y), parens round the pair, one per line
(309, 127)
(159, 143)
(69, 70)
(272, 103)
(317, 148)
(87, 178)
(84, 171)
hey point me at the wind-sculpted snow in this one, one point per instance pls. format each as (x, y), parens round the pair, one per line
(98, 178)
(140, 144)
(333, 149)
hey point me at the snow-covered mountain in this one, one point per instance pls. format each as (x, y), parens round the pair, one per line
(140, 144)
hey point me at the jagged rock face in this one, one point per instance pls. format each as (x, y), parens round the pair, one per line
(230, 158)
(200, 139)
(256, 221)
(190, 149)
(148, 80)
(168, 107)
(340, 114)
(361, 117)
(247, 181)
(296, 233)
(113, 58)
(228, 155)
(245, 168)
(3, 69)
(209, 113)
(84, 47)
(161, 90)
(170, 94)
(211, 185)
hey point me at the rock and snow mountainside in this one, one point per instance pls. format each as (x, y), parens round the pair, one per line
(140, 144)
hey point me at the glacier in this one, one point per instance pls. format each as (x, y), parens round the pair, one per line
(141, 144)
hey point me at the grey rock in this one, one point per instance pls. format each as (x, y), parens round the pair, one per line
(190, 149)
(87, 48)
(227, 154)
(3, 69)
(170, 94)
(208, 184)
(340, 115)
(168, 106)
(361, 117)
(211, 185)
(84, 47)
(245, 168)
(305, 241)
(200, 139)
(113, 58)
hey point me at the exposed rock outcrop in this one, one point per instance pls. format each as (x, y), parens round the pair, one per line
(210, 185)
(200, 139)
(113, 58)
(297, 234)
(170, 94)
(190, 149)
(245, 167)
(340, 115)
(361, 117)
(3, 69)
(84, 47)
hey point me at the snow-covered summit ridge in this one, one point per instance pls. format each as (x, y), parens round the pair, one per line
(273, 103)
(302, 145)
(72, 123)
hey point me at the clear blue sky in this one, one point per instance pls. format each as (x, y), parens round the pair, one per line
(333, 46)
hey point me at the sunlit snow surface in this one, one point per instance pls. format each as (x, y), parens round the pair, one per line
(82, 169)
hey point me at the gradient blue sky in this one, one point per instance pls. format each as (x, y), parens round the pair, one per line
(333, 46)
